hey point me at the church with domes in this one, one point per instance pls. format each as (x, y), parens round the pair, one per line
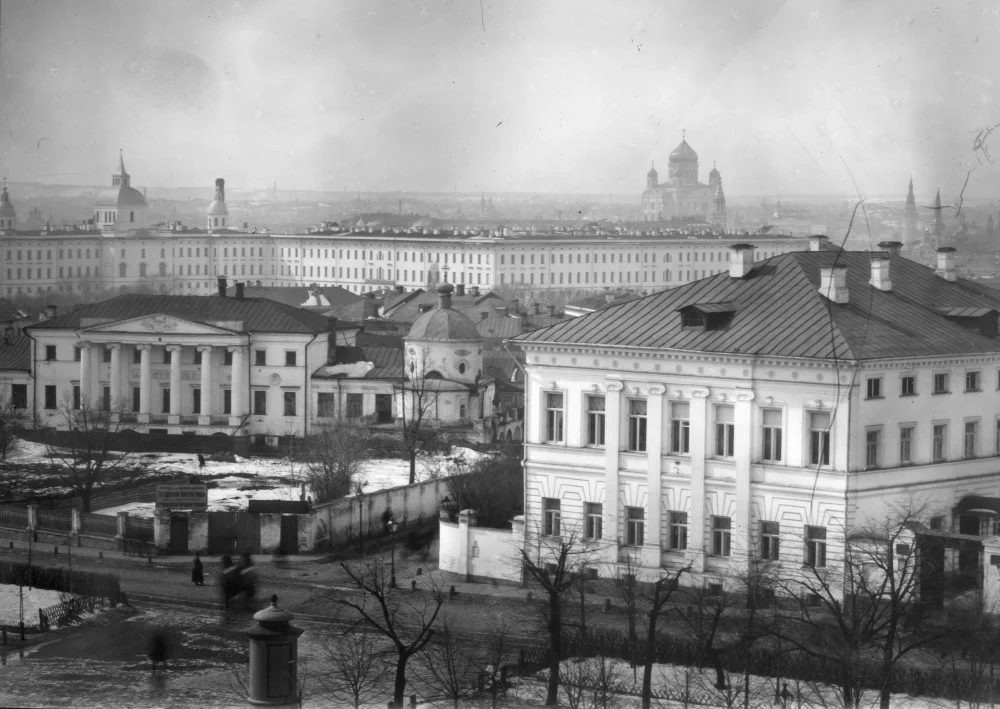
(682, 196)
(121, 208)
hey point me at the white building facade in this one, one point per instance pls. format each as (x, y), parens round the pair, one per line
(765, 414)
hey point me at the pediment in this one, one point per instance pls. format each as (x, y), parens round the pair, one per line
(158, 323)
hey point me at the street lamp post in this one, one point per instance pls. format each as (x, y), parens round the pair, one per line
(392, 563)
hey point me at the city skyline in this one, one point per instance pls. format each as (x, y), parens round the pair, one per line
(501, 98)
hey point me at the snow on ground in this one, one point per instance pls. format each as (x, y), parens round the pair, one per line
(34, 598)
(233, 484)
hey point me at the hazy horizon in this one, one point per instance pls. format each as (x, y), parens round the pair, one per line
(560, 97)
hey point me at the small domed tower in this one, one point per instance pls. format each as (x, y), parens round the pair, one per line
(652, 177)
(443, 358)
(8, 217)
(218, 213)
(714, 178)
(719, 216)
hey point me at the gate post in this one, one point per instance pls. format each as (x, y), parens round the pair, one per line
(990, 566)
(74, 527)
(122, 530)
(161, 530)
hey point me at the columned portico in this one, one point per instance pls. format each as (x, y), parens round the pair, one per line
(115, 384)
(236, 381)
(205, 407)
(175, 384)
(86, 379)
(145, 381)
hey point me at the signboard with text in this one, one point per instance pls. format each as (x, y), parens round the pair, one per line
(182, 496)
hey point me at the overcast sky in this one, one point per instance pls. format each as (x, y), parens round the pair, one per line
(544, 96)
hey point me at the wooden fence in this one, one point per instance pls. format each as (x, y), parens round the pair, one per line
(15, 517)
(54, 521)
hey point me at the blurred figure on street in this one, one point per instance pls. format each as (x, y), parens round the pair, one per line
(157, 651)
(198, 571)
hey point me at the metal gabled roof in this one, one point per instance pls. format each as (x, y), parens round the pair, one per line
(780, 312)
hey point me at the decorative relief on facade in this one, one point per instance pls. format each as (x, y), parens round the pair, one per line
(635, 365)
(615, 386)
(819, 377)
(597, 363)
(700, 392)
(614, 363)
(657, 367)
(723, 372)
(744, 395)
(159, 323)
(274, 379)
(135, 374)
(553, 360)
(572, 360)
(657, 390)
(679, 369)
(701, 370)
(795, 375)
(746, 372)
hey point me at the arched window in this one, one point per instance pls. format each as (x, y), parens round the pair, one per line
(433, 374)
(121, 270)
(461, 368)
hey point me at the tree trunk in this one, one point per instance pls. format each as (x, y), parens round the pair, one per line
(400, 686)
(647, 665)
(555, 649)
(413, 466)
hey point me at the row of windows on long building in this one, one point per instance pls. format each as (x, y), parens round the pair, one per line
(769, 540)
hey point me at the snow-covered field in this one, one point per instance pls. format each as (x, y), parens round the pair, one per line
(34, 598)
(233, 484)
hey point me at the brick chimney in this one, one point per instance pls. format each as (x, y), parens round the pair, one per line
(239, 290)
(444, 295)
(222, 286)
(50, 311)
(818, 242)
(740, 260)
(946, 263)
(891, 247)
(474, 291)
(833, 283)
(880, 272)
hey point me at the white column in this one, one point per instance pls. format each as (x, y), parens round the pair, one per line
(742, 453)
(652, 548)
(86, 376)
(205, 418)
(612, 438)
(145, 382)
(175, 383)
(698, 532)
(237, 384)
(116, 380)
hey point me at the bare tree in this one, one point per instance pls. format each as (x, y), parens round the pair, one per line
(355, 667)
(12, 422)
(417, 398)
(555, 561)
(405, 619)
(334, 455)
(854, 604)
(449, 665)
(90, 451)
(655, 603)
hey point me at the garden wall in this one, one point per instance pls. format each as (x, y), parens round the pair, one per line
(469, 553)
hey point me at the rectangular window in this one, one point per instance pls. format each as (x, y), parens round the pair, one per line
(197, 356)
(594, 520)
(678, 533)
(635, 526)
(50, 396)
(326, 403)
(725, 431)
(973, 380)
(908, 385)
(873, 444)
(136, 398)
(970, 441)
(874, 388)
(941, 383)
(906, 444)
(50, 353)
(680, 428)
(551, 517)
(76, 397)
(289, 359)
(595, 421)
(771, 425)
(166, 401)
(355, 406)
(77, 354)
(227, 401)
(260, 402)
(106, 354)
(227, 358)
(819, 438)
(939, 442)
(196, 401)
(770, 542)
(816, 547)
(289, 403)
(167, 356)
(553, 418)
(637, 425)
(721, 536)
(260, 358)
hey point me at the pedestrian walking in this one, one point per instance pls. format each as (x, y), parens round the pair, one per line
(201, 461)
(157, 651)
(198, 571)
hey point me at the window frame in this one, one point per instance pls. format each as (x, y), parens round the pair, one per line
(635, 526)
(908, 440)
(551, 517)
(593, 517)
(259, 398)
(970, 439)
(873, 388)
(51, 353)
(976, 377)
(289, 396)
(722, 536)
(291, 358)
(725, 432)
(815, 547)
(596, 421)
(770, 540)
(680, 430)
(637, 439)
(819, 456)
(939, 443)
(677, 530)
(260, 358)
(944, 380)
(873, 447)
(772, 437)
(910, 379)
(555, 418)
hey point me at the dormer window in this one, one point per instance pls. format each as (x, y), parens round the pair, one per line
(981, 320)
(707, 316)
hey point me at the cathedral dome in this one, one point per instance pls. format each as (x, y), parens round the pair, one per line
(443, 323)
(6, 208)
(713, 174)
(652, 173)
(684, 153)
(217, 208)
(120, 197)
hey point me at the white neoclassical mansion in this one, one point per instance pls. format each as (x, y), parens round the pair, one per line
(764, 413)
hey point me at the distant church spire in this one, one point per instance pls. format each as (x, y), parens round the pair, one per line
(938, 217)
(121, 179)
(910, 231)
